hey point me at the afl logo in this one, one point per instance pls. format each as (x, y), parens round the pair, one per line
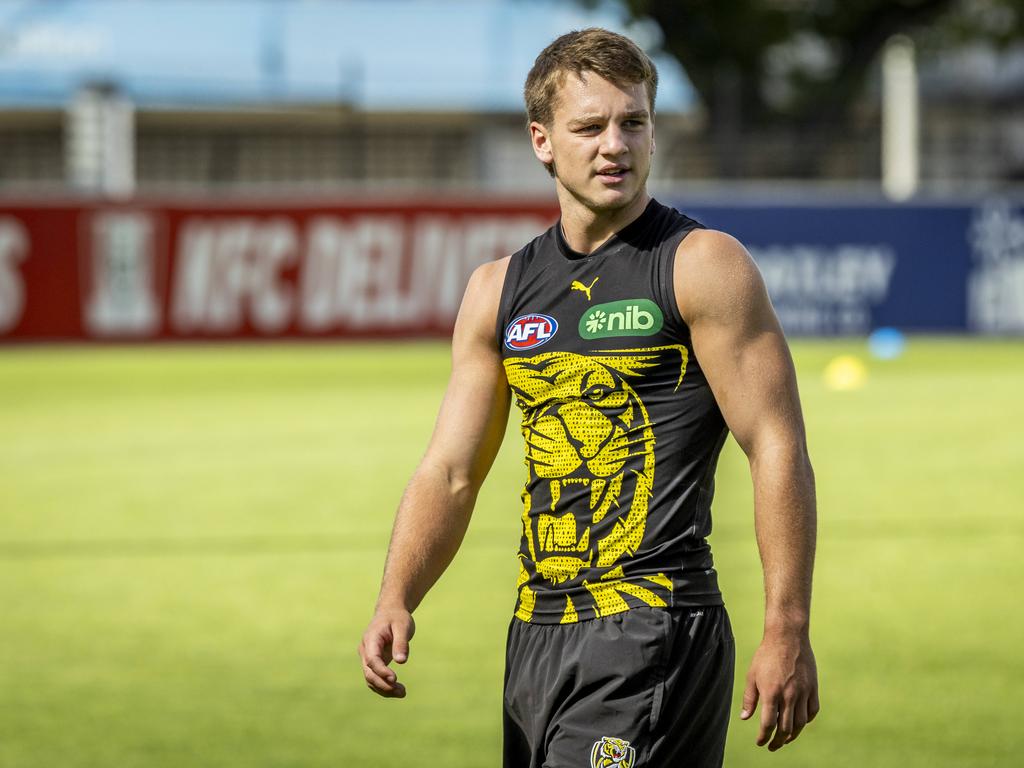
(529, 331)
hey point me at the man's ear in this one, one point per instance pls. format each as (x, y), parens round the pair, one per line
(541, 143)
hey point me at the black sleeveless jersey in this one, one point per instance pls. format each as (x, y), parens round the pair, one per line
(622, 433)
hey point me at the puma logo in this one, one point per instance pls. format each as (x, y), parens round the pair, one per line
(578, 286)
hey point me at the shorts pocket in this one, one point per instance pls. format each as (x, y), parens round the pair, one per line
(660, 671)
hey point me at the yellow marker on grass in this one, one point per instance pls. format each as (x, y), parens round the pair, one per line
(845, 373)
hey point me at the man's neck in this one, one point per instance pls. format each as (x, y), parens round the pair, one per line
(585, 230)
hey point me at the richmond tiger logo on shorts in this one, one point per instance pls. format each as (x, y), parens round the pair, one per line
(610, 752)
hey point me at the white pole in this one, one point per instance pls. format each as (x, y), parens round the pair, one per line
(100, 142)
(900, 129)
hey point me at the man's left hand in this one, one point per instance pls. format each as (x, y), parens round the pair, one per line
(784, 678)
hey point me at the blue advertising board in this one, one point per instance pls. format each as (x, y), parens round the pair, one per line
(849, 269)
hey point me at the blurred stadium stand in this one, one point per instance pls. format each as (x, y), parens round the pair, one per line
(311, 94)
(245, 94)
(257, 168)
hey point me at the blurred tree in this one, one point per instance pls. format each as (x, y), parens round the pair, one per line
(803, 63)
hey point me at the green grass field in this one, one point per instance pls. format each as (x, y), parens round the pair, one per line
(191, 540)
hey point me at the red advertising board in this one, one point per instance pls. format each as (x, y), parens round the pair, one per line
(136, 271)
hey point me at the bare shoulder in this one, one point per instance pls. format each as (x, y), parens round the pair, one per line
(716, 278)
(483, 292)
(489, 277)
(479, 311)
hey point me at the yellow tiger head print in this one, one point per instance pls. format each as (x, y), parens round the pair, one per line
(610, 752)
(589, 436)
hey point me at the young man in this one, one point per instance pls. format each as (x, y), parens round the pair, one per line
(633, 340)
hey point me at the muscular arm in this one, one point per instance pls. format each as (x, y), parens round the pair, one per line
(435, 510)
(742, 350)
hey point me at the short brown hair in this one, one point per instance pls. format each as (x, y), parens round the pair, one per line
(612, 56)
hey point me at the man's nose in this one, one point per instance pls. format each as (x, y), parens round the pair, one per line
(612, 141)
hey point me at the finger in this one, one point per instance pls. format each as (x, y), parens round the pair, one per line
(785, 727)
(799, 718)
(373, 658)
(380, 643)
(749, 700)
(769, 719)
(813, 705)
(377, 684)
(400, 643)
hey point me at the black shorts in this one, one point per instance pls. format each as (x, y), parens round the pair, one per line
(648, 688)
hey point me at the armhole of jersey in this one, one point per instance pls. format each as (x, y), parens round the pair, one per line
(508, 292)
(667, 277)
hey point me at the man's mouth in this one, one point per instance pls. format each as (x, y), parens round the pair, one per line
(613, 172)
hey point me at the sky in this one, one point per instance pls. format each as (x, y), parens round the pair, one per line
(380, 55)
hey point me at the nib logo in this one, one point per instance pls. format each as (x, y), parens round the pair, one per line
(596, 321)
(630, 317)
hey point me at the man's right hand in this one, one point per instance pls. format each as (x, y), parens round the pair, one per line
(386, 639)
(435, 509)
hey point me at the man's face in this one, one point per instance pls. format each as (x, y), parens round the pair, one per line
(600, 140)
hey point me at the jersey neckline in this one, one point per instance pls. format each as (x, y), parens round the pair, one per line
(636, 225)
